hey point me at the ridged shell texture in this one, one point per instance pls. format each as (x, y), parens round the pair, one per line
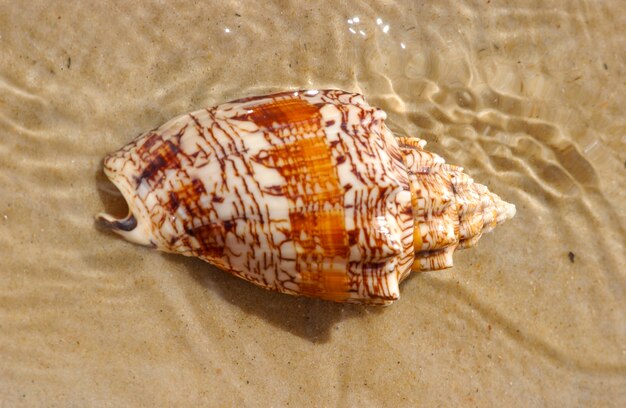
(304, 192)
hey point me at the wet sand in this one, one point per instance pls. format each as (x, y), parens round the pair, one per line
(529, 99)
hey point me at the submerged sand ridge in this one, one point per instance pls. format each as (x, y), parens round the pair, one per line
(527, 98)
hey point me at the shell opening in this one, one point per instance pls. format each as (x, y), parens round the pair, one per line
(109, 222)
(129, 226)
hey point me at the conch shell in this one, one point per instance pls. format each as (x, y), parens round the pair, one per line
(306, 193)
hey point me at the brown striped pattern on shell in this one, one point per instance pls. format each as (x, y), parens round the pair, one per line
(303, 192)
(451, 211)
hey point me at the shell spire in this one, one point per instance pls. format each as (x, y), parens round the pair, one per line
(305, 192)
(451, 211)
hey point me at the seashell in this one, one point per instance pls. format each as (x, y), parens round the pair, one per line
(306, 193)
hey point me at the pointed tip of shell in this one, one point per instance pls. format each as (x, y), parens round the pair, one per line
(479, 209)
(509, 211)
(505, 211)
(451, 210)
(482, 214)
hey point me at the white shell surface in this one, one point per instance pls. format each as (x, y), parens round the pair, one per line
(302, 192)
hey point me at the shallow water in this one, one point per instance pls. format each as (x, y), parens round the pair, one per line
(528, 98)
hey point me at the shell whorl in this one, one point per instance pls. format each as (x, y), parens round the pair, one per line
(304, 192)
(451, 211)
